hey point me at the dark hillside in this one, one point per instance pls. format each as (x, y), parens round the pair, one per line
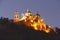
(12, 31)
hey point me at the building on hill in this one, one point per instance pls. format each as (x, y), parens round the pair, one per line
(35, 21)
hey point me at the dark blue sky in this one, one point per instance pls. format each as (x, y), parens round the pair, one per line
(48, 9)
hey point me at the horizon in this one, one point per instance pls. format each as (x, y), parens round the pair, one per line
(48, 9)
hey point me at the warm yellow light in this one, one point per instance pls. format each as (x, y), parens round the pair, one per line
(31, 20)
(47, 31)
(23, 18)
(49, 26)
(42, 20)
(35, 26)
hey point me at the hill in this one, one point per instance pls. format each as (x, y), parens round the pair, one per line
(12, 31)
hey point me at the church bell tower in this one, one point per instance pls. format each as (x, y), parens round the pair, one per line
(16, 16)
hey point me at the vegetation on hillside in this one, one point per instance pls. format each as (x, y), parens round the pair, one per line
(19, 31)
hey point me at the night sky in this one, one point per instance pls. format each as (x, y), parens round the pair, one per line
(48, 9)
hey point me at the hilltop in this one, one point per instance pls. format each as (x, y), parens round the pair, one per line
(19, 31)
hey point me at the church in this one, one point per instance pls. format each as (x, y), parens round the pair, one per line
(34, 21)
(24, 16)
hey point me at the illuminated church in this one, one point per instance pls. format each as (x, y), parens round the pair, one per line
(34, 21)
